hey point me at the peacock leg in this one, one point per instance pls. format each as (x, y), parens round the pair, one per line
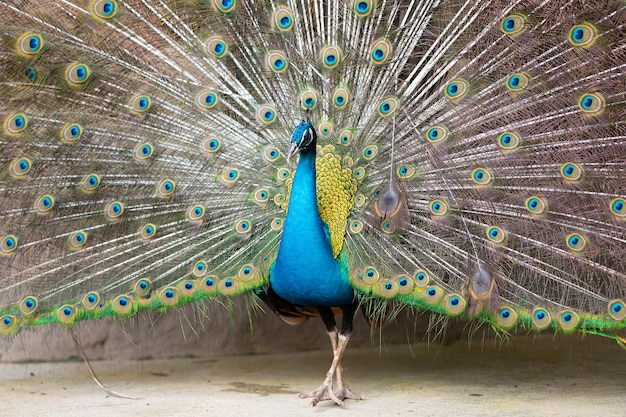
(339, 341)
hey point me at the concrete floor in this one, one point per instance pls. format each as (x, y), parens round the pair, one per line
(527, 376)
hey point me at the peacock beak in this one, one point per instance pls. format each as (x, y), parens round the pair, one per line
(293, 150)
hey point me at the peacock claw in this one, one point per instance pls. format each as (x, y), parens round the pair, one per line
(323, 393)
(326, 393)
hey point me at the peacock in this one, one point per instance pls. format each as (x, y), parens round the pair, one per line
(466, 158)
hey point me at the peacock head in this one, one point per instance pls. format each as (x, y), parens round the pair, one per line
(303, 139)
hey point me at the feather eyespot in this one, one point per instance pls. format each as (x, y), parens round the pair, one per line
(617, 309)
(437, 134)
(345, 137)
(200, 269)
(103, 9)
(266, 114)
(331, 56)
(114, 210)
(536, 205)
(456, 89)
(166, 188)
(341, 97)
(482, 176)
(618, 208)
(195, 214)
(90, 183)
(77, 74)
(216, 47)
(517, 82)
(576, 242)
(77, 240)
(438, 208)
(66, 313)
(15, 124)
(20, 167)
(363, 8)
(583, 35)
(572, 172)
(122, 304)
(91, 300)
(224, 6)
(592, 104)
(541, 318)
(206, 99)
(381, 51)
(513, 24)
(29, 44)
(421, 278)
(388, 107)
(277, 61)
(143, 151)
(283, 19)
(29, 305)
(147, 231)
(140, 103)
(44, 204)
(71, 133)
(308, 99)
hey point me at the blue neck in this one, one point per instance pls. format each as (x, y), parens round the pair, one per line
(305, 271)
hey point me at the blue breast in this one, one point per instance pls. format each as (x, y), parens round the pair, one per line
(305, 272)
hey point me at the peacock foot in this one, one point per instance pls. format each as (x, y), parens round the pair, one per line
(325, 392)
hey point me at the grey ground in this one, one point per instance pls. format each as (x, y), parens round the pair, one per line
(533, 375)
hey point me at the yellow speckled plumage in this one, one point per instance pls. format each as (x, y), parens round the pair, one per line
(336, 192)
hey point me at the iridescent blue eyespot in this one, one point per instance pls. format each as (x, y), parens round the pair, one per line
(572, 172)
(71, 133)
(8, 244)
(15, 124)
(20, 167)
(283, 19)
(456, 89)
(30, 73)
(224, 6)
(513, 25)
(496, 235)
(618, 208)
(381, 51)
(147, 231)
(363, 8)
(482, 176)
(617, 309)
(206, 100)
(388, 106)
(308, 99)
(583, 35)
(592, 104)
(104, 9)
(114, 210)
(576, 242)
(29, 305)
(216, 47)
(370, 275)
(437, 134)
(331, 56)
(166, 188)
(90, 183)
(77, 74)
(243, 227)
(517, 82)
(29, 44)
